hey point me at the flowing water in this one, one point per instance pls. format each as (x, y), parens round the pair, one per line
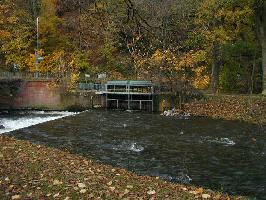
(223, 155)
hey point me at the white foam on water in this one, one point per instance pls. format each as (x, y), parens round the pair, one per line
(136, 148)
(23, 122)
(222, 141)
(131, 146)
(183, 178)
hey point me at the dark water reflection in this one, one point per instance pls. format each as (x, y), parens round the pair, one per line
(222, 155)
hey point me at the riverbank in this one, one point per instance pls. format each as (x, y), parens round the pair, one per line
(29, 171)
(230, 107)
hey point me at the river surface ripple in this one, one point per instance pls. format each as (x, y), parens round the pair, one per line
(227, 156)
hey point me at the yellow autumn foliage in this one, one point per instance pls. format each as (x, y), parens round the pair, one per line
(52, 62)
(5, 21)
(4, 34)
(182, 66)
(31, 62)
(74, 78)
(200, 78)
(222, 22)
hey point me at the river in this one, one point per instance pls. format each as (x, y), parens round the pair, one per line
(228, 156)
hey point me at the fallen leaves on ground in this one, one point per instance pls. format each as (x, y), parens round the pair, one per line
(230, 107)
(28, 171)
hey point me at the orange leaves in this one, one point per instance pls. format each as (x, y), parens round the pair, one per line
(31, 61)
(74, 79)
(192, 61)
(4, 34)
(51, 62)
(6, 20)
(230, 107)
(12, 19)
(158, 56)
(186, 61)
(165, 60)
(65, 175)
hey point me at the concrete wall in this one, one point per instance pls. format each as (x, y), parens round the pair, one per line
(42, 95)
(17, 94)
(164, 102)
(37, 94)
(81, 100)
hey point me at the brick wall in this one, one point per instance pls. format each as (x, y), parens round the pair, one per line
(41, 95)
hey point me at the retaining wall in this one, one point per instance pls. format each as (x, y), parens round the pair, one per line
(42, 95)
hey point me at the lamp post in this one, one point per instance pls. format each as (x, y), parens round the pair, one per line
(37, 24)
(37, 47)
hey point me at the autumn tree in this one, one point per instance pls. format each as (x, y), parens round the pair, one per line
(220, 23)
(18, 43)
(202, 41)
(5, 22)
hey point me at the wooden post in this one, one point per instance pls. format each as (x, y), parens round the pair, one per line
(128, 97)
(152, 104)
(152, 95)
(106, 101)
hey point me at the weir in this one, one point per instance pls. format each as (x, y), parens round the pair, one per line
(129, 95)
(25, 91)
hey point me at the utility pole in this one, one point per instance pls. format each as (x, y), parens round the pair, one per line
(79, 24)
(37, 48)
(37, 33)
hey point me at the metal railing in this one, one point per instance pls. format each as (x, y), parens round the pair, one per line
(30, 76)
(26, 75)
(91, 86)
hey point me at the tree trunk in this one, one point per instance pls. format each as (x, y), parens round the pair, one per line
(215, 67)
(251, 88)
(264, 65)
(260, 10)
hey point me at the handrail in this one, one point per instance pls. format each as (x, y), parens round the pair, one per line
(29, 76)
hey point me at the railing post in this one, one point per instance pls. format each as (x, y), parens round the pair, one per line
(128, 97)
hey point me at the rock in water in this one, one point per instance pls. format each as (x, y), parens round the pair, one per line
(2, 126)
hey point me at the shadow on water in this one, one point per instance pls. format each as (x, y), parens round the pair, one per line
(222, 155)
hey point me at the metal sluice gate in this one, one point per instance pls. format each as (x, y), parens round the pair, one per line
(129, 95)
